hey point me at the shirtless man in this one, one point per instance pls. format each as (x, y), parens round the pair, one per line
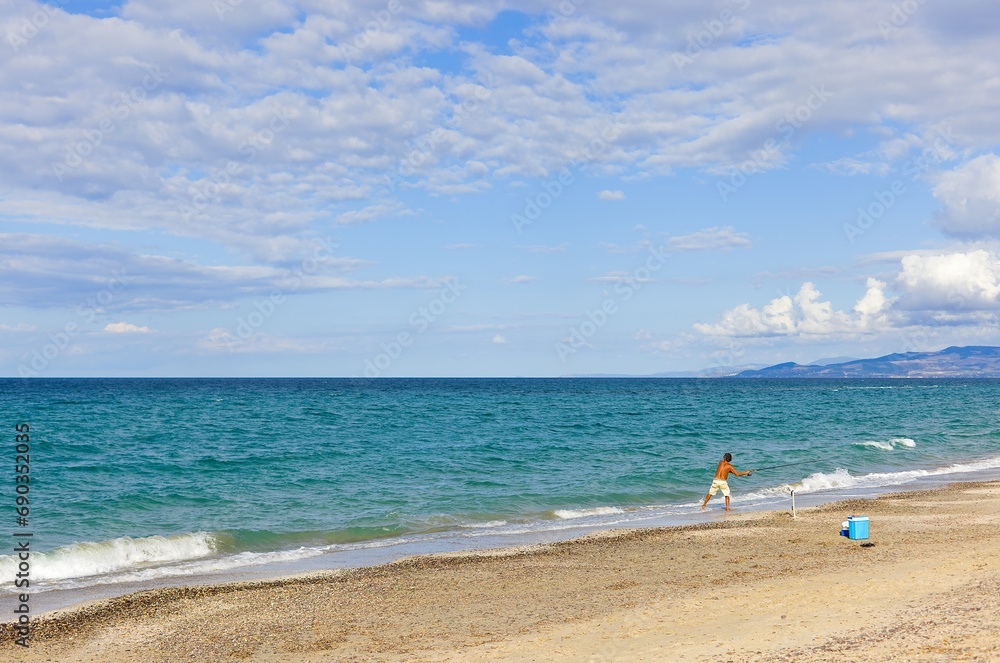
(722, 473)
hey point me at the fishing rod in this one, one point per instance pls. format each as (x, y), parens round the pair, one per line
(774, 467)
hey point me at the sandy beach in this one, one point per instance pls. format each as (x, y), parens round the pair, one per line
(756, 586)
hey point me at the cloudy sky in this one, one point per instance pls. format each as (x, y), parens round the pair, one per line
(505, 187)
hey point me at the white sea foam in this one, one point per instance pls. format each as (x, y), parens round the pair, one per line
(564, 526)
(492, 523)
(151, 558)
(889, 445)
(583, 513)
(100, 558)
(192, 568)
(842, 479)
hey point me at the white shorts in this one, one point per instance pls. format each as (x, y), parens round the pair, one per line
(716, 485)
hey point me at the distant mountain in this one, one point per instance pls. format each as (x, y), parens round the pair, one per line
(976, 361)
(832, 360)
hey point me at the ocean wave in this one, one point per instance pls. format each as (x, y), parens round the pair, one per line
(104, 557)
(888, 445)
(193, 568)
(567, 514)
(152, 558)
(842, 479)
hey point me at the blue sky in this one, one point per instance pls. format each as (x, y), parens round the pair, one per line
(396, 188)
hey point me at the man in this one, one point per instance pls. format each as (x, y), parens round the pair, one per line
(722, 473)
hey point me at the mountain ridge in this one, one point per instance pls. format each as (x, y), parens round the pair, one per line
(981, 361)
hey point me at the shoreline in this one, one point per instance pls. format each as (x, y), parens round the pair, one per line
(448, 543)
(760, 578)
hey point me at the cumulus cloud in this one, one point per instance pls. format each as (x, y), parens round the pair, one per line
(971, 197)
(125, 328)
(805, 315)
(950, 282)
(929, 290)
(608, 194)
(499, 339)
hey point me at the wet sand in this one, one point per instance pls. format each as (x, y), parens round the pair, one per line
(756, 586)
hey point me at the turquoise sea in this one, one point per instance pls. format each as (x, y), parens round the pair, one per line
(142, 482)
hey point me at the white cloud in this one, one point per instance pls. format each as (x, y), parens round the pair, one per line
(714, 238)
(884, 257)
(499, 339)
(40, 271)
(521, 278)
(266, 126)
(930, 290)
(805, 315)
(971, 197)
(125, 328)
(950, 282)
(228, 20)
(533, 112)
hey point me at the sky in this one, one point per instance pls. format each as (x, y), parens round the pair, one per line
(499, 188)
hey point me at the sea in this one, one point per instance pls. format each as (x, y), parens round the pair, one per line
(142, 483)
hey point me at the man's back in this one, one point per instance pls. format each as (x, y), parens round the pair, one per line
(722, 472)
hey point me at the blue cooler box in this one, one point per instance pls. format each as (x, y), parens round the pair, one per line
(857, 527)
